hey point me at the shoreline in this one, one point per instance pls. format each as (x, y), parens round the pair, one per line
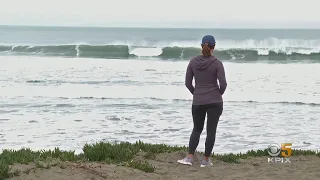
(152, 161)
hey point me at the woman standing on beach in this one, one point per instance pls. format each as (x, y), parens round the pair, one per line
(207, 98)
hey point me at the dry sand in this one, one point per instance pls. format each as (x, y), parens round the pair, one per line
(301, 167)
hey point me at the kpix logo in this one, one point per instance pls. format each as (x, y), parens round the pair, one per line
(275, 150)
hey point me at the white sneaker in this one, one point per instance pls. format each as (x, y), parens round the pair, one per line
(185, 161)
(205, 163)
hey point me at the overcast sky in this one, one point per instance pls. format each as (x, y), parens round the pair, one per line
(163, 13)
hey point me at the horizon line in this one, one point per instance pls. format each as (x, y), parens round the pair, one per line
(161, 27)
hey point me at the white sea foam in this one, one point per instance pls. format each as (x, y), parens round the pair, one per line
(78, 51)
(146, 52)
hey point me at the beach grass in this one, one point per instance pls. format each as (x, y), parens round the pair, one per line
(122, 154)
(111, 153)
(234, 158)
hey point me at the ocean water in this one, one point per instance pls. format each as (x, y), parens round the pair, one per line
(69, 86)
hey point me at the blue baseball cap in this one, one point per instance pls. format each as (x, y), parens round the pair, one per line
(208, 39)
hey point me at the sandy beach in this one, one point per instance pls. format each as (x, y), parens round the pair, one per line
(166, 167)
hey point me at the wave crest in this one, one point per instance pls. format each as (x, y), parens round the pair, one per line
(268, 49)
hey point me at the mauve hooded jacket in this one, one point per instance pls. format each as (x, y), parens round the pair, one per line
(206, 71)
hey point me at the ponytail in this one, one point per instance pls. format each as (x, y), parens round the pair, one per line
(206, 50)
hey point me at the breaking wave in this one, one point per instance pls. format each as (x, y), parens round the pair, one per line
(273, 49)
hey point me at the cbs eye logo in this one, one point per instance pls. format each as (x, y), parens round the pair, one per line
(275, 150)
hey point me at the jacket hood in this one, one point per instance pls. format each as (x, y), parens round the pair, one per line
(204, 62)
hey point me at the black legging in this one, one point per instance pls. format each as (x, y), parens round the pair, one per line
(199, 112)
